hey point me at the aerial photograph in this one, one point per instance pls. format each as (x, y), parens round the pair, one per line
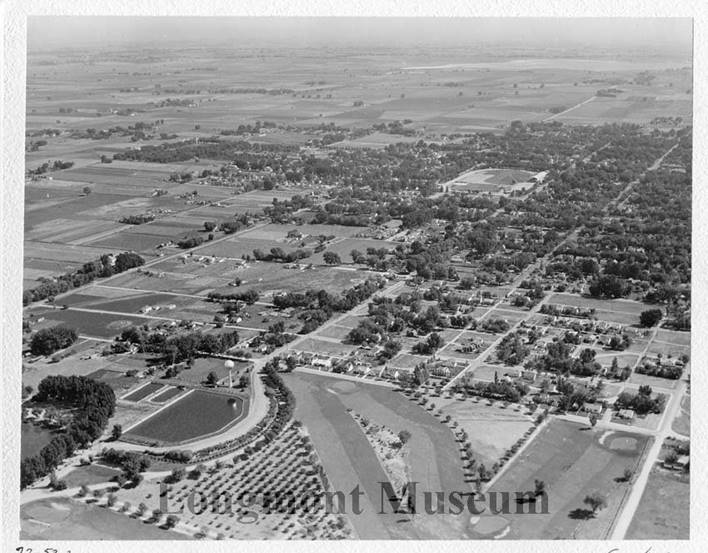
(356, 279)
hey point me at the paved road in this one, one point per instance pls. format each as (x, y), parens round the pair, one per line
(672, 409)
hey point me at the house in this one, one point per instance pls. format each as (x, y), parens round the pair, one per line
(626, 414)
(529, 376)
(595, 408)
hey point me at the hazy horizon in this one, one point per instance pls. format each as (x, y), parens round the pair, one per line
(671, 36)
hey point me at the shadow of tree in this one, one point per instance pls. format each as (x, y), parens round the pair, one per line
(581, 514)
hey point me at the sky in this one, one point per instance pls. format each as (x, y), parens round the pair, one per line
(667, 34)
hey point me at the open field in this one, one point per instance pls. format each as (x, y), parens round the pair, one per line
(573, 461)
(491, 429)
(663, 512)
(621, 306)
(90, 474)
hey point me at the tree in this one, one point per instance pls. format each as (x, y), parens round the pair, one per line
(420, 374)
(86, 190)
(595, 501)
(593, 419)
(49, 340)
(117, 431)
(671, 457)
(212, 379)
(539, 487)
(650, 317)
(404, 436)
(608, 286)
(172, 521)
(332, 258)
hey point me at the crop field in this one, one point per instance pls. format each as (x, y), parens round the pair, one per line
(169, 393)
(674, 337)
(71, 231)
(633, 109)
(93, 324)
(197, 414)
(573, 462)
(143, 392)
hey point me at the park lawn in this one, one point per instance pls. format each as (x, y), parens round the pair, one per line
(664, 510)
(573, 461)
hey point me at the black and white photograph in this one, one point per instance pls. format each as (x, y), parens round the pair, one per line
(351, 278)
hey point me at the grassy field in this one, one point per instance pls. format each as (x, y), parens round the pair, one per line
(621, 306)
(63, 519)
(491, 429)
(664, 510)
(90, 474)
(573, 461)
(321, 404)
